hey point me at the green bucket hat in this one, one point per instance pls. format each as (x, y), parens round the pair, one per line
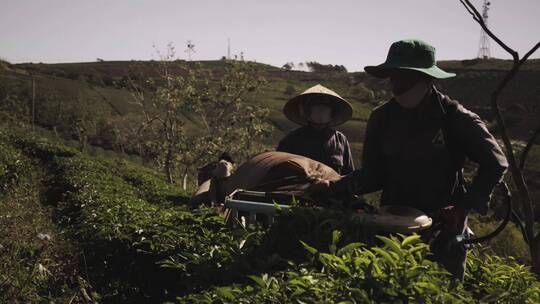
(412, 54)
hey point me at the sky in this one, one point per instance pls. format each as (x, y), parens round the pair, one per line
(353, 33)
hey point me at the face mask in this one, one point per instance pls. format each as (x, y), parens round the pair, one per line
(412, 97)
(320, 114)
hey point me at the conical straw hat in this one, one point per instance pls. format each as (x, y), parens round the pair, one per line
(341, 109)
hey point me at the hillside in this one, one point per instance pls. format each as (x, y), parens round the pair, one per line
(96, 83)
(97, 90)
(81, 229)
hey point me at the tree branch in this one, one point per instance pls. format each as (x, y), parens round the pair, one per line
(517, 173)
(478, 18)
(530, 52)
(528, 147)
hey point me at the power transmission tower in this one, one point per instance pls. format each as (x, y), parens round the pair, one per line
(190, 49)
(483, 50)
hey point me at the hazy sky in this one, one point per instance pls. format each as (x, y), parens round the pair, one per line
(349, 32)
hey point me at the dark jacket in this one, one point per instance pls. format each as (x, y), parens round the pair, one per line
(328, 146)
(416, 155)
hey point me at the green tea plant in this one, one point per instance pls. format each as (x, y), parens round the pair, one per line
(37, 264)
(139, 243)
(500, 280)
(11, 167)
(127, 228)
(398, 271)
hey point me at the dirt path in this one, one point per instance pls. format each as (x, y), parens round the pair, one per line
(37, 263)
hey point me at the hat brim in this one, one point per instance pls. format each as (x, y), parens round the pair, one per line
(342, 109)
(382, 71)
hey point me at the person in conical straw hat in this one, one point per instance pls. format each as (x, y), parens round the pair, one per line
(415, 147)
(317, 110)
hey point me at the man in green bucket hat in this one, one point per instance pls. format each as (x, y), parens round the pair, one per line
(415, 147)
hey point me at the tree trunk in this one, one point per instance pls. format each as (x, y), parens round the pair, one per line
(184, 183)
(168, 165)
(82, 143)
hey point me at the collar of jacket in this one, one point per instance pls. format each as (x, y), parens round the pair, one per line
(431, 107)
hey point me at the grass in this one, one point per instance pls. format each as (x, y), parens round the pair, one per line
(37, 262)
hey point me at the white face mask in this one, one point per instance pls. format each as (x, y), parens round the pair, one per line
(412, 97)
(320, 114)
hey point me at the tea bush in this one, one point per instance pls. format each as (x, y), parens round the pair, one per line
(501, 280)
(150, 186)
(398, 271)
(12, 163)
(508, 243)
(11, 167)
(37, 264)
(141, 244)
(124, 235)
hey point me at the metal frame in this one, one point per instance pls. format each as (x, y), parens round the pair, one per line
(252, 208)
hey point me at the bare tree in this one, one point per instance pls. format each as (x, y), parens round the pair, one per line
(188, 115)
(522, 193)
(162, 100)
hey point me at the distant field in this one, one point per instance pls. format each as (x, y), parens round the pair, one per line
(93, 82)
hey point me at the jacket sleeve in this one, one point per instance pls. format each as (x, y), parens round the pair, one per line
(348, 163)
(285, 145)
(368, 178)
(482, 148)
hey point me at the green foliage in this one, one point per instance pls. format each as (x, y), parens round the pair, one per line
(315, 227)
(230, 119)
(508, 243)
(140, 245)
(149, 185)
(11, 167)
(495, 279)
(289, 90)
(41, 148)
(219, 107)
(126, 225)
(363, 93)
(398, 271)
(37, 264)
(316, 67)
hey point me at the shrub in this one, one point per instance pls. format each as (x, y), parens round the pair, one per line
(396, 272)
(508, 243)
(399, 271)
(500, 280)
(104, 207)
(13, 164)
(141, 247)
